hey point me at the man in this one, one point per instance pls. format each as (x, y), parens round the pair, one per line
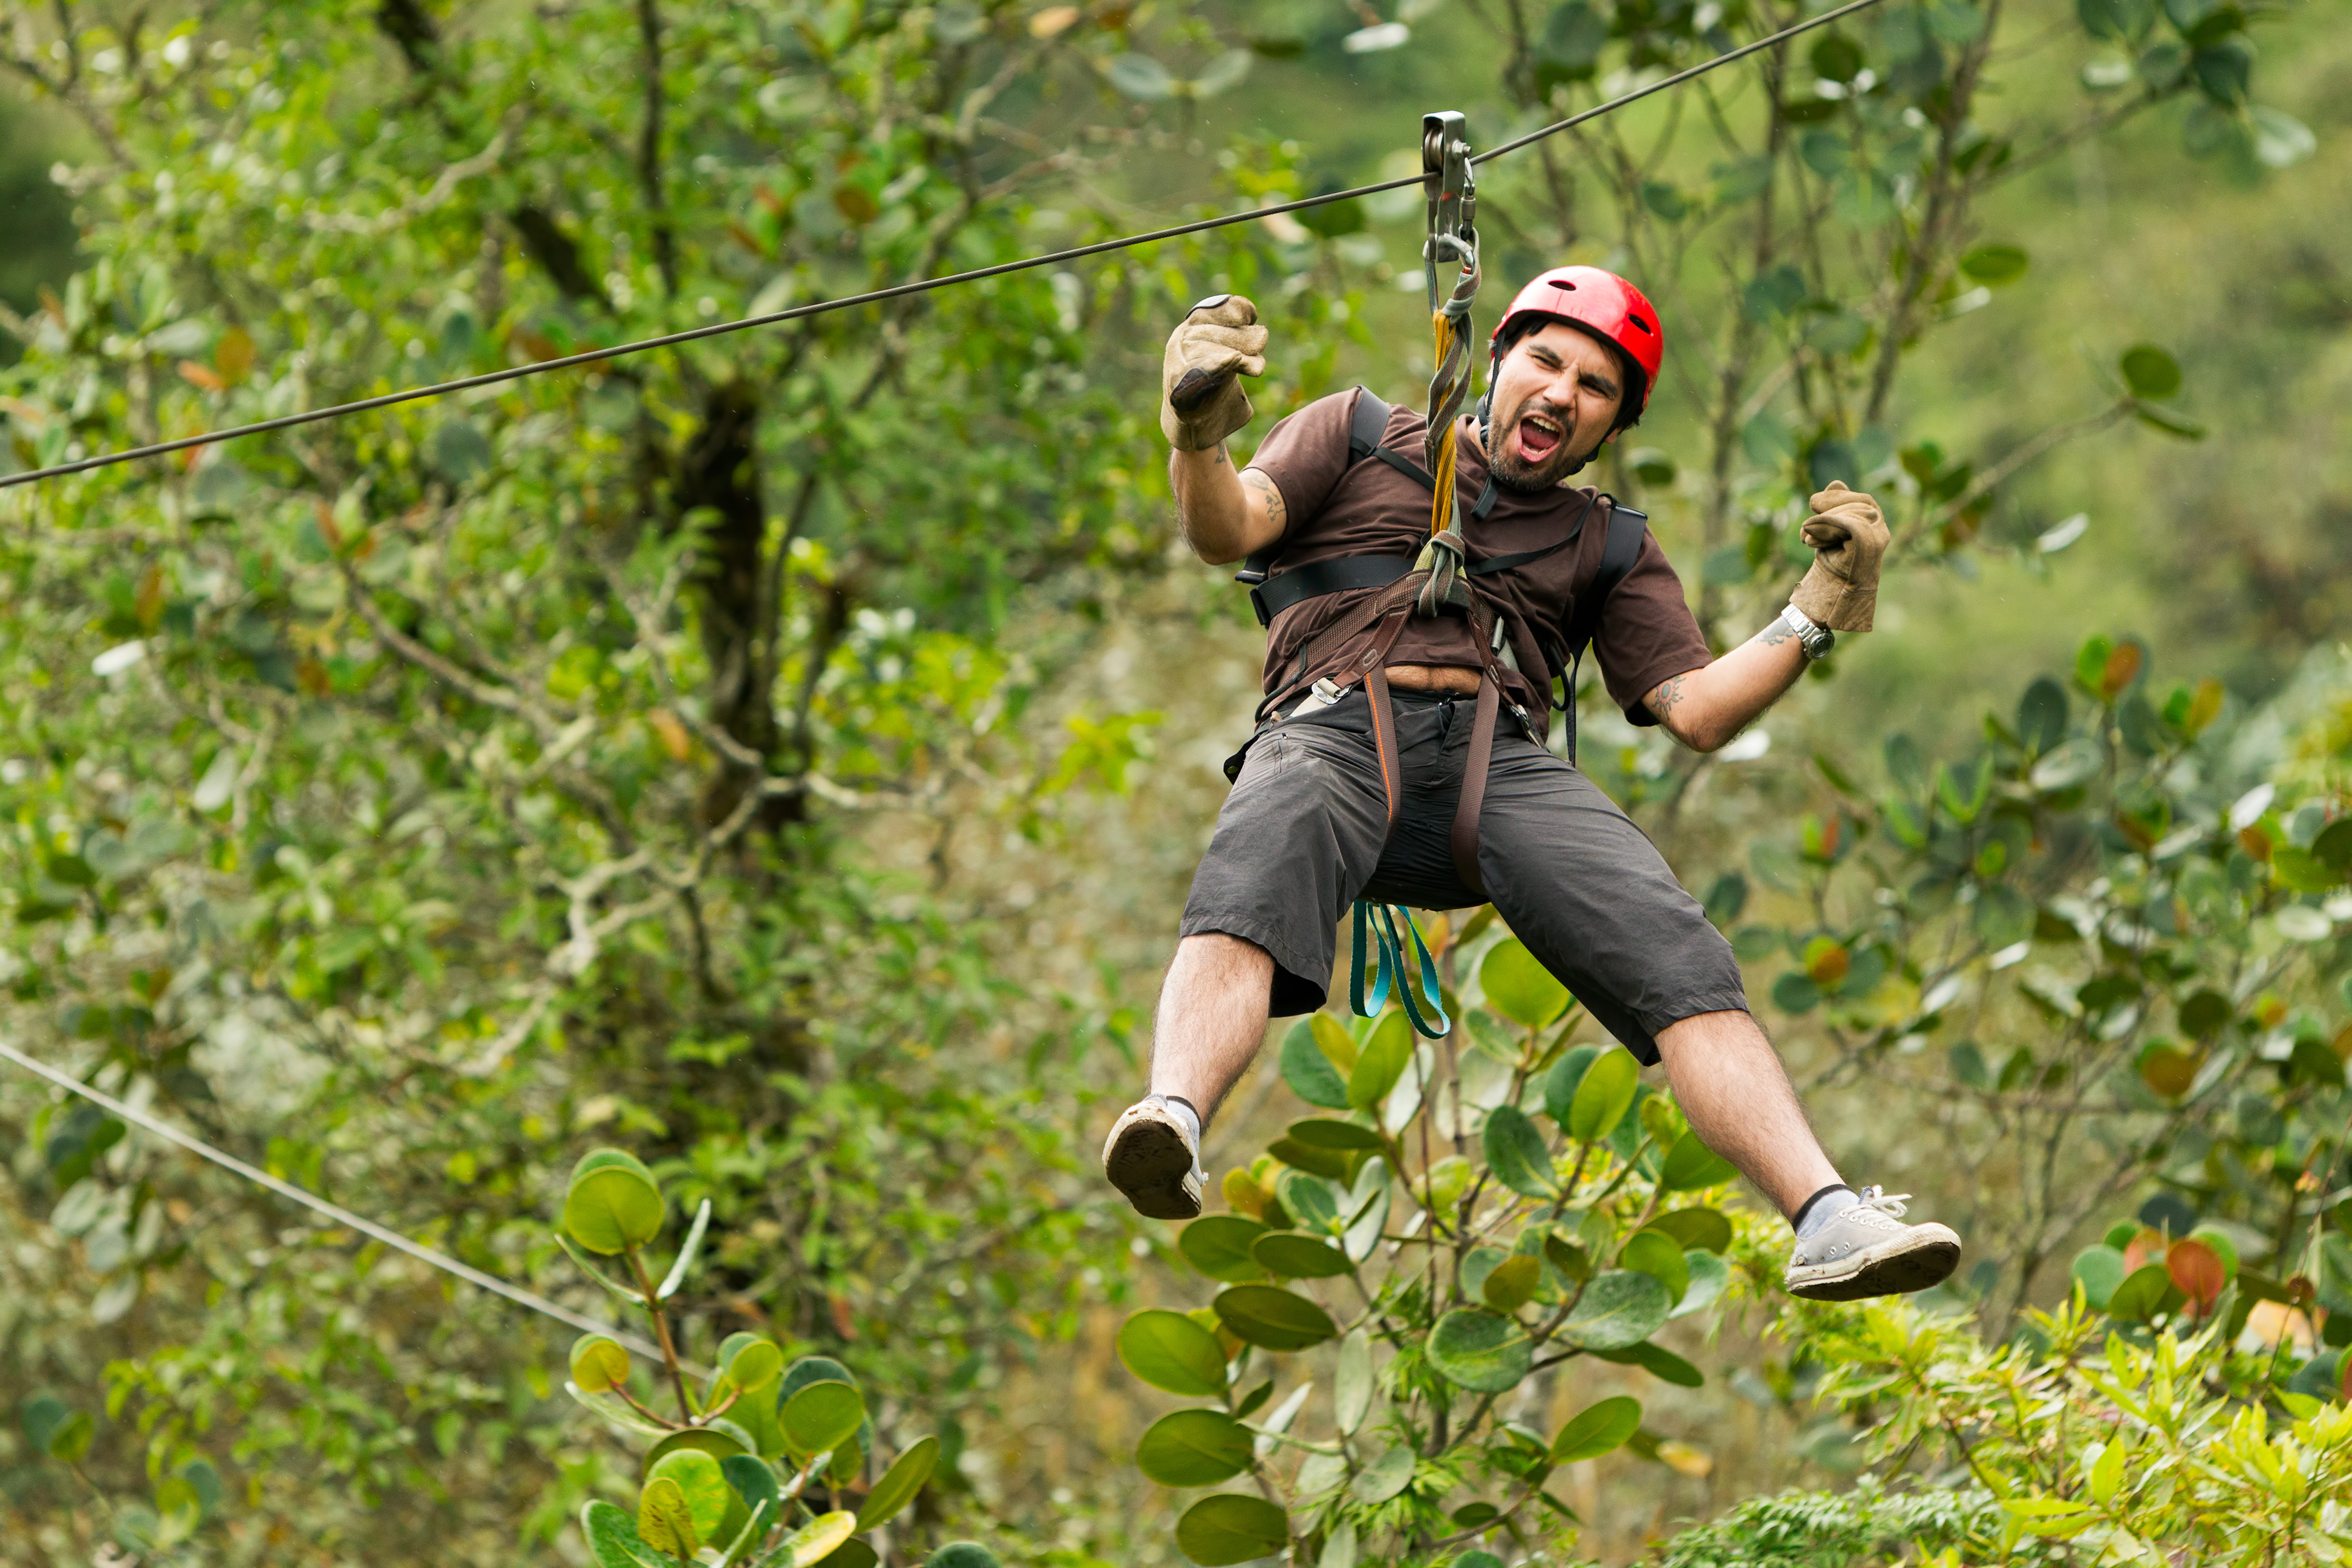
(1366, 778)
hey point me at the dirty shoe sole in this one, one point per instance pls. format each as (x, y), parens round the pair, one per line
(1147, 1159)
(1924, 1256)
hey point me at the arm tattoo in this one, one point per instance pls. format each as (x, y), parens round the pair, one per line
(1669, 694)
(1774, 635)
(1276, 511)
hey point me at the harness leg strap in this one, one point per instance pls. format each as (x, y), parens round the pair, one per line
(1463, 839)
(1384, 744)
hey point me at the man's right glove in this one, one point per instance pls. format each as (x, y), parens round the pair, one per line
(1841, 591)
(1199, 378)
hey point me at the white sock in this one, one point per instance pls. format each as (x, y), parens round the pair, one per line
(1185, 1113)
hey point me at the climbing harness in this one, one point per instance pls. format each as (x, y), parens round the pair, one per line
(1441, 580)
(899, 290)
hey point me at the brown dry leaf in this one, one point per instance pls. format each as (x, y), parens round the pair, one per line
(1052, 20)
(234, 354)
(1684, 1460)
(672, 732)
(148, 605)
(202, 375)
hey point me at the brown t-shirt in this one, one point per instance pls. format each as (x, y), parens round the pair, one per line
(1647, 634)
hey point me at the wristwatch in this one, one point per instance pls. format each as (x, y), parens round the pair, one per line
(1815, 639)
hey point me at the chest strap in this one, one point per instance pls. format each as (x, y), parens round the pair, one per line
(1271, 594)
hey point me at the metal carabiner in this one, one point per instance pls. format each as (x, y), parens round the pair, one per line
(1452, 192)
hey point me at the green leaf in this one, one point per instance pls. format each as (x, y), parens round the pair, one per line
(69, 1441)
(1384, 1057)
(1294, 1257)
(1231, 1528)
(1994, 265)
(1709, 1275)
(817, 1539)
(1658, 1362)
(1566, 1077)
(852, 1553)
(1385, 1476)
(1482, 1351)
(1619, 1307)
(1273, 1319)
(2141, 1294)
(899, 1484)
(821, 1417)
(746, 1362)
(1511, 1284)
(1311, 1202)
(1351, 1388)
(1598, 1429)
(1604, 1097)
(1322, 1133)
(1219, 1244)
(1696, 1231)
(1657, 1255)
(1517, 1154)
(1519, 987)
(1309, 1072)
(613, 1540)
(686, 1254)
(2150, 371)
(962, 1554)
(612, 1203)
(753, 1481)
(1691, 1164)
(664, 1521)
(1193, 1448)
(702, 1485)
(1173, 1353)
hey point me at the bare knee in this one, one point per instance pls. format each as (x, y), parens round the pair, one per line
(1223, 957)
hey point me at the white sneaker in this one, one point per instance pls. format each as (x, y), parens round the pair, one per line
(1153, 1157)
(1867, 1250)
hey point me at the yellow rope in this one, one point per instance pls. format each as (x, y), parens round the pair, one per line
(1441, 499)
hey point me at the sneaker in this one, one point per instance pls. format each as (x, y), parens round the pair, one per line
(1153, 1157)
(1867, 1250)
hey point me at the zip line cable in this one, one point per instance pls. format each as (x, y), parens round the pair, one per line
(921, 286)
(440, 1260)
(335, 1212)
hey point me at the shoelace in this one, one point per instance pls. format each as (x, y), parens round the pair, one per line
(1879, 1200)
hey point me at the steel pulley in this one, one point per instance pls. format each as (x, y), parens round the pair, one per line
(1452, 200)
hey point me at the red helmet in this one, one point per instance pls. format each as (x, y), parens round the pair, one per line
(1604, 305)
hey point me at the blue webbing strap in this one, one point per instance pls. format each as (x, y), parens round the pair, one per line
(1391, 958)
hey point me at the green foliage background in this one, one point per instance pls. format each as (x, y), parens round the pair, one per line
(785, 757)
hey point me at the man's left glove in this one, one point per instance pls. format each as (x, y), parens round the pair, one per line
(1848, 537)
(1202, 400)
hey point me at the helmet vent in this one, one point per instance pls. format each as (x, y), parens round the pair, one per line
(1641, 323)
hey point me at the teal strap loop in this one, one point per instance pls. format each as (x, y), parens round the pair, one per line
(1425, 1010)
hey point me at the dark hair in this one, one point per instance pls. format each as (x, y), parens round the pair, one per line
(1629, 401)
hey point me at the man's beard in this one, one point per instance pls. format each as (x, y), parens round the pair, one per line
(1516, 475)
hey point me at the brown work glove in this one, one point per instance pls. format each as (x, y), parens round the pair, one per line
(1202, 398)
(1841, 592)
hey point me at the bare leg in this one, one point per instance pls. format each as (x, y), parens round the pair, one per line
(1730, 1084)
(1213, 1015)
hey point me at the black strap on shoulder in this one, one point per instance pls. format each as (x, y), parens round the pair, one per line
(1493, 563)
(1618, 553)
(1369, 422)
(1626, 528)
(1270, 596)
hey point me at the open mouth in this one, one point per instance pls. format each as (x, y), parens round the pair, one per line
(1538, 436)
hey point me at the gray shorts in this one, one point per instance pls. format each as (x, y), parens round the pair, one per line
(1299, 840)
